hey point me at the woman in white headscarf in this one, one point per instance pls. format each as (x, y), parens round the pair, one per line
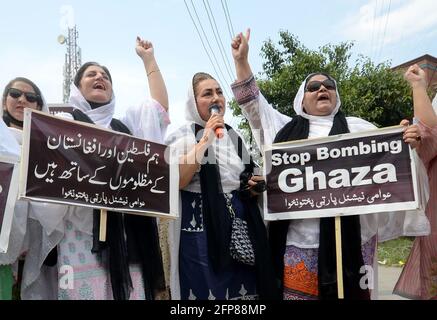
(217, 192)
(21, 93)
(304, 249)
(106, 271)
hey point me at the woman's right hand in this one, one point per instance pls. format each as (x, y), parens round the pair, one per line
(214, 122)
(416, 76)
(190, 162)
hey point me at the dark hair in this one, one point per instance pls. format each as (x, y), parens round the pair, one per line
(30, 83)
(198, 78)
(81, 71)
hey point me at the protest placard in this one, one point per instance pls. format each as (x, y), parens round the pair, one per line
(8, 196)
(347, 174)
(69, 162)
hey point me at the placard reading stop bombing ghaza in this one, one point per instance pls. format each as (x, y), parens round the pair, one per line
(347, 174)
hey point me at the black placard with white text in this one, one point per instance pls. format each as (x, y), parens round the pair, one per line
(346, 174)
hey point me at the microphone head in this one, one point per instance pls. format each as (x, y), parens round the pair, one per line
(215, 108)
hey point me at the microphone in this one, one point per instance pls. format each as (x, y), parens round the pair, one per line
(215, 109)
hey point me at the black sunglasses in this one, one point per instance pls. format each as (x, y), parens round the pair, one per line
(315, 85)
(30, 96)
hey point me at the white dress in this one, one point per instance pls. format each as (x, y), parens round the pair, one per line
(73, 225)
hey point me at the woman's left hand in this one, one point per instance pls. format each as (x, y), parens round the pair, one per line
(255, 181)
(411, 134)
(240, 46)
(144, 48)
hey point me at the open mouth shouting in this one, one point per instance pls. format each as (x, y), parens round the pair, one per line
(100, 86)
(323, 97)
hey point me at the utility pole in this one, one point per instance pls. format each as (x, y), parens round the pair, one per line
(72, 59)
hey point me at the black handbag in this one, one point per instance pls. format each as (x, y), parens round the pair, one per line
(240, 246)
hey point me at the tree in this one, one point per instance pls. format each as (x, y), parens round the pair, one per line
(370, 91)
(377, 94)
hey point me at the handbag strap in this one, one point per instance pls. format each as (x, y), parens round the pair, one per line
(229, 205)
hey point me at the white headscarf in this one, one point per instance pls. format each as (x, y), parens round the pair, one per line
(8, 144)
(101, 116)
(298, 100)
(35, 229)
(191, 112)
(183, 140)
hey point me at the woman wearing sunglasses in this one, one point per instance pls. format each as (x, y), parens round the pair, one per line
(18, 94)
(27, 223)
(304, 250)
(102, 271)
(419, 275)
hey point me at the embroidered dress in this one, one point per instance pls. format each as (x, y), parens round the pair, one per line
(89, 279)
(302, 239)
(419, 276)
(300, 270)
(197, 278)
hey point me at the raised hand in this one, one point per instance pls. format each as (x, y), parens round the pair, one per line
(416, 76)
(240, 46)
(144, 48)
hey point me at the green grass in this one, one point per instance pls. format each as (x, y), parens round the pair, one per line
(394, 252)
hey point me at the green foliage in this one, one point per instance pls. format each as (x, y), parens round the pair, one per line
(376, 94)
(395, 252)
(285, 68)
(370, 91)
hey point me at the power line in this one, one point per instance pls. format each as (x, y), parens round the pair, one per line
(234, 121)
(218, 39)
(373, 27)
(385, 30)
(204, 47)
(228, 19)
(210, 48)
(379, 19)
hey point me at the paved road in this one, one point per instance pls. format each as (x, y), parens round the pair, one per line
(387, 278)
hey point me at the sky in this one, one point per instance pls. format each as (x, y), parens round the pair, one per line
(384, 30)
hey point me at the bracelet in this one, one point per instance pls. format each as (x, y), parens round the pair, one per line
(148, 74)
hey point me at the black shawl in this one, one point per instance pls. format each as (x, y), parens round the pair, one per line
(139, 246)
(218, 223)
(296, 129)
(9, 119)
